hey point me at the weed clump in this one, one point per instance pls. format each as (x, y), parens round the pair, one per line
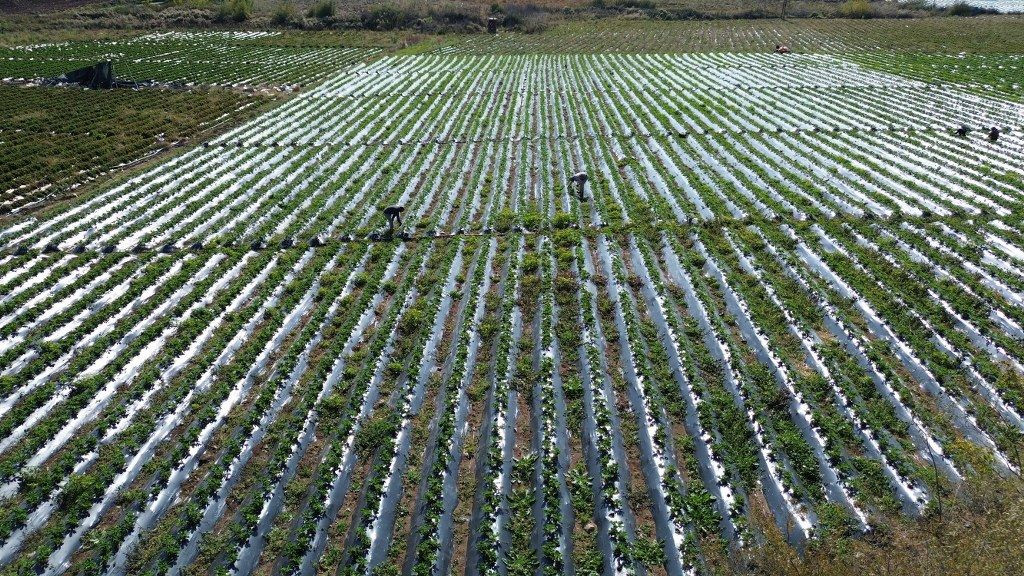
(971, 528)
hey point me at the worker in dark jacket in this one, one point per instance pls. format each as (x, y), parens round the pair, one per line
(580, 179)
(393, 214)
(993, 134)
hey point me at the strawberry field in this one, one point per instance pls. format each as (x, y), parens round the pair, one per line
(54, 140)
(199, 58)
(791, 294)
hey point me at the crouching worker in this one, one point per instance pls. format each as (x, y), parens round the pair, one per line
(580, 180)
(393, 214)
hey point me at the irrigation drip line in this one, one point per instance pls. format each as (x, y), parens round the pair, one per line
(134, 86)
(379, 237)
(593, 137)
(900, 83)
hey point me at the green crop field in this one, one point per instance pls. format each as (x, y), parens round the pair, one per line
(938, 36)
(53, 140)
(201, 58)
(779, 330)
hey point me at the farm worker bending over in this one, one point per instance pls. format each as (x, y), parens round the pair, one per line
(782, 49)
(580, 179)
(962, 131)
(393, 213)
(993, 134)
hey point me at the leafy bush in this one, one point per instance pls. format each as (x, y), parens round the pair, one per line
(562, 220)
(80, 491)
(505, 220)
(382, 426)
(235, 10)
(322, 9)
(455, 14)
(285, 13)
(389, 16)
(960, 9)
(437, 17)
(639, 4)
(856, 9)
(535, 24)
(964, 9)
(527, 18)
(531, 219)
(531, 263)
(648, 552)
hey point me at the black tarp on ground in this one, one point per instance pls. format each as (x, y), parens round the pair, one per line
(100, 75)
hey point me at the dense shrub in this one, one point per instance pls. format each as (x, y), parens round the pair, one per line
(455, 14)
(505, 220)
(389, 16)
(322, 9)
(637, 4)
(285, 13)
(382, 426)
(856, 9)
(235, 10)
(528, 18)
(965, 9)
